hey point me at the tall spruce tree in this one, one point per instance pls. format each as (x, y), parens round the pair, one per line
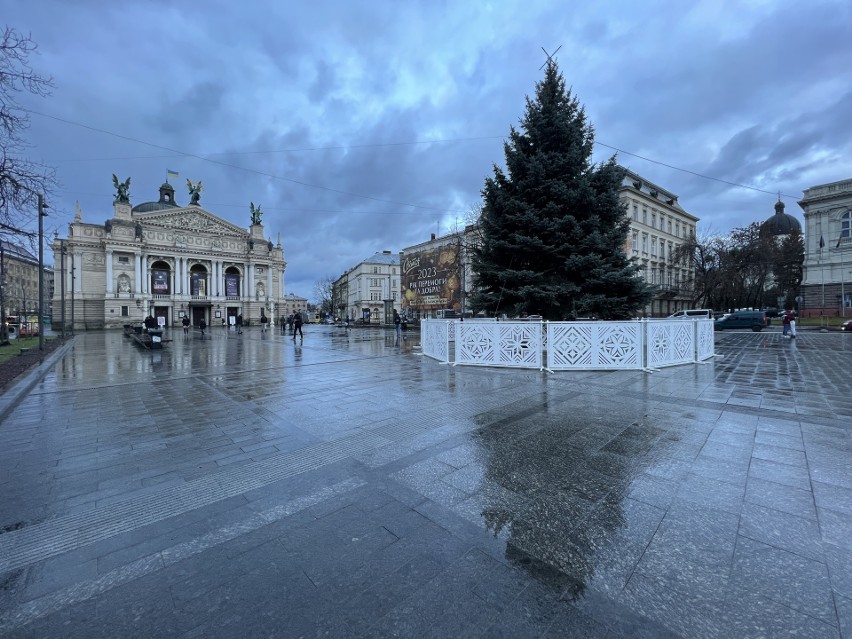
(553, 230)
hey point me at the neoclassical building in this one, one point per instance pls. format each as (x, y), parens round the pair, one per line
(166, 260)
(658, 227)
(369, 291)
(828, 249)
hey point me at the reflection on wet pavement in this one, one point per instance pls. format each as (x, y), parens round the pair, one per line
(343, 485)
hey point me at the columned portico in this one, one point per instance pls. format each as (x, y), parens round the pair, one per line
(162, 258)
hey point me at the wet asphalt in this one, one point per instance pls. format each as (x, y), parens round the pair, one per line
(344, 485)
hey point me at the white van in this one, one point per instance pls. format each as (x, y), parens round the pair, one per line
(693, 313)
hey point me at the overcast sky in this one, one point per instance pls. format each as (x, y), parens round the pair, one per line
(366, 125)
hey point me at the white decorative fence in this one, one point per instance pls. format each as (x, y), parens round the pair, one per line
(638, 344)
(594, 345)
(511, 344)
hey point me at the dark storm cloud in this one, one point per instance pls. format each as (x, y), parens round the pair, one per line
(304, 108)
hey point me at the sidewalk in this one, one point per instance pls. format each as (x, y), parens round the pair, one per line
(342, 485)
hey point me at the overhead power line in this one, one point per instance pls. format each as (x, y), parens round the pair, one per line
(208, 158)
(241, 168)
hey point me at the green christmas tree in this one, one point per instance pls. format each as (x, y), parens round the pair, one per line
(553, 231)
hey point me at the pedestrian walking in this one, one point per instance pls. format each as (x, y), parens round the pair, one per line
(785, 322)
(185, 322)
(297, 326)
(290, 323)
(282, 322)
(240, 324)
(203, 326)
(792, 324)
(397, 321)
(264, 320)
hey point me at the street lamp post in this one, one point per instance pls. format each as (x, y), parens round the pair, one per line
(41, 207)
(62, 283)
(4, 336)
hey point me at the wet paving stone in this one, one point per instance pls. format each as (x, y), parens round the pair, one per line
(349, 487)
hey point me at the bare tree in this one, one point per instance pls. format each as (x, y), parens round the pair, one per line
(21, 179)
(324, 294)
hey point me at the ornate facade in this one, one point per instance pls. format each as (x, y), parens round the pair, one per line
(658, 227)
(165, 260)
(828, 250)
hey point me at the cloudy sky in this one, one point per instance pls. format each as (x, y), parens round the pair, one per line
(366, 125)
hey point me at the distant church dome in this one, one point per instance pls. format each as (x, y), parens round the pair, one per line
(780, 223)
(167, 201)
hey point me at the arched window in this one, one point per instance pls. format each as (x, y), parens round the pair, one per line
(198, 280)
(161, 278)
(846, 225)
(232, 282)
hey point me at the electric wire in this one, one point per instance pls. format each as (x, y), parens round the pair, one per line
(208, 158)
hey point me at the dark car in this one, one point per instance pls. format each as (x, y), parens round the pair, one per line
(846, 326)
(755, 320)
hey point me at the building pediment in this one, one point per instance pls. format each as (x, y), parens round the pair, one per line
(191, 220)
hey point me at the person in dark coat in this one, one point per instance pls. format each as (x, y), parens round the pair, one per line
(297, 326)
(185, 322)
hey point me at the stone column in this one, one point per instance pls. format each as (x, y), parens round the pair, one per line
(172, 276)
(137, 275)
(78, 273)
(269, 292)
(145, 275)
(109, 288)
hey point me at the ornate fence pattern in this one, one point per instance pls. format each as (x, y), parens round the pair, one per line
(435, 339)
(594, 345)
(505, 344)
(705, 344)
(669, 342)
(644, 344)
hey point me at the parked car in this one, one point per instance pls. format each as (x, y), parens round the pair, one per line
(846, 326)
(755, 320)
(693, 313)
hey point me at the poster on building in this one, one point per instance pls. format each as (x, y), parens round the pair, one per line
(161, 282)
(431, 279)
(198, 284)
(232, 286)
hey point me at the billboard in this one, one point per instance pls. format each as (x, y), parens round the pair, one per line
(431, 278)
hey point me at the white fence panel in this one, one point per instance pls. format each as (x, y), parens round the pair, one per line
(435, 339)
(505, 344)
(669, 342)
(594, 345)
(705, 342)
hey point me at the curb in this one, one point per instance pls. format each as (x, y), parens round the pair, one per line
(24, 384)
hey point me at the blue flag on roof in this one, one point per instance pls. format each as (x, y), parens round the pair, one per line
(171, 174)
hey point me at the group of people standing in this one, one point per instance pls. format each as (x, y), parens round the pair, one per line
(400, 323)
